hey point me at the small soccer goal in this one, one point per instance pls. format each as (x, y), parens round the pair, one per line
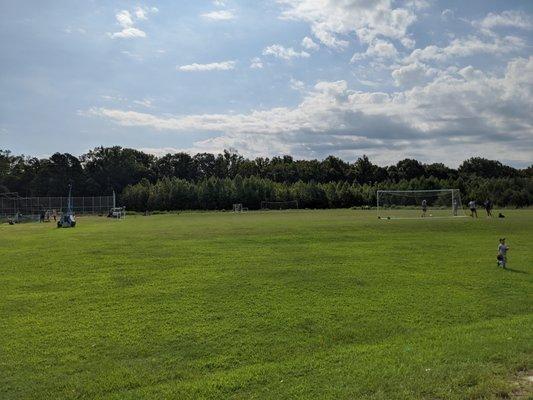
(279, 205)
(117, 213)
(238, 208)
(411, 204)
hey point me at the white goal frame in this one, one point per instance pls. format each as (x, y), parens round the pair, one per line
(118, 212)
(456, 206)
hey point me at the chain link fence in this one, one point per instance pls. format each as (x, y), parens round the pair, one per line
(13, 205)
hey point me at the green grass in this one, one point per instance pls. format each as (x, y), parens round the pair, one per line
(277, 305)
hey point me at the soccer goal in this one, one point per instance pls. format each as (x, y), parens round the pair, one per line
(117, 213)
(397, 204)
(279, 205)
(238, 208)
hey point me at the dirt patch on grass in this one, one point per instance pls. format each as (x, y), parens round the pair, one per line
(523, 386)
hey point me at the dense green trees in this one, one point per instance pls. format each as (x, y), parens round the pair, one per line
(208, 181)
(220, 193)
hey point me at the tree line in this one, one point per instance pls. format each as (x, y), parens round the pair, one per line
(208, 181)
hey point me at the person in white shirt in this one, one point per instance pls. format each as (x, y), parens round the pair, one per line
(502, 253)
(424, 207)
(472, 206)
(455, 207)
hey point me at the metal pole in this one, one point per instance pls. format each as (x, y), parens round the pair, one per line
(377, 203)
(453, 202)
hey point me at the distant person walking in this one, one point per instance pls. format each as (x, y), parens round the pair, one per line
(472, 206)
(502, 253)
(424, 207)
(488, 207)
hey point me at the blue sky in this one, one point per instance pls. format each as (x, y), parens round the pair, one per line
(435, 80)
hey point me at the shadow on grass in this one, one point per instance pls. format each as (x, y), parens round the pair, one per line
(516, 271)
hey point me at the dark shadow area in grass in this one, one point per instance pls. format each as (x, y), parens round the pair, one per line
(516, 271)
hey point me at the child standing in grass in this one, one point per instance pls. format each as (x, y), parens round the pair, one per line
(424, 207)
(472, 206)
(502, 253)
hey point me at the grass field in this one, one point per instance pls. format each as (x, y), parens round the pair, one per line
(274, 305)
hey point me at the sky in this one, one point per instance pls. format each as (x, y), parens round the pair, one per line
(439, 81)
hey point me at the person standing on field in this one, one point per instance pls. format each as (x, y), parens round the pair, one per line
(502, 253)
(424, 207)
(455, 206)
(472, 206)
(488, 207)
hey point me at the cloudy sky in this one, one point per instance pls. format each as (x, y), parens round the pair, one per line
(437, 80)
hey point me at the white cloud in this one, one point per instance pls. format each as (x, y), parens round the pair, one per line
(285, 53)
(219, 3)
(117, 98)
(127, 21)
(412, 74)
(124, 19)
(216, 66)
(447, 15)
(445, 119)
(464, 47)
(128, 33)
(408, 42)
(70, 30)
(367, 19)
(509, 18)
(144, 103)
(379, 49)
(133, 55)
(221, 15)
(417, 4)
(297, 85)
(161, 151)
(140, 13)
(309, 44)
(256, 63)
(369, 83)
(327, 38)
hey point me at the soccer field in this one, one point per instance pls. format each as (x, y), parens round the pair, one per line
(329, 304)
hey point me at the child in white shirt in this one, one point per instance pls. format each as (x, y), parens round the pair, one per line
(502, 253)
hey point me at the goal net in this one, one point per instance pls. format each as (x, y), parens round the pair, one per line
(443, 203)
(117, 212)
(279, 205)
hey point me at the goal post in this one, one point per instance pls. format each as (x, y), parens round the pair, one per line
(410, 204)
(279, 205)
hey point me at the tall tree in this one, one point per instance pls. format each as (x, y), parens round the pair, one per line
(178, 165)
(486, 168)
(409, 169)
(113, 168)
